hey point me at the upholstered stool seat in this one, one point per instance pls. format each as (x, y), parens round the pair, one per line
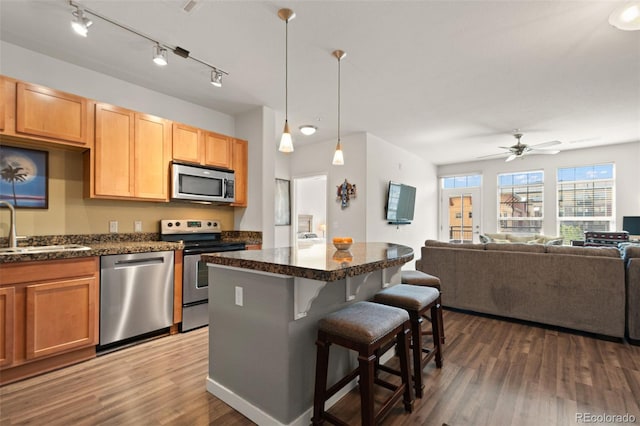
(364, 327)
(422, 278)
(417, 300)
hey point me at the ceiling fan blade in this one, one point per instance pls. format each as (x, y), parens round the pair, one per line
(511, 157)
(545, 151)
(494, 155)
(545, 144)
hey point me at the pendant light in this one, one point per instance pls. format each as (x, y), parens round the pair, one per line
(338, 158)
(286, 143)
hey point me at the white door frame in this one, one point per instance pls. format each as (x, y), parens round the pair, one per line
(445, 195)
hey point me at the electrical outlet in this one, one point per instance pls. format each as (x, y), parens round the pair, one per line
(239, 300)
(137, 226)
(113, 226)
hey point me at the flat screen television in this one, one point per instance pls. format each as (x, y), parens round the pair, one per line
(401, 201)
(631, 224)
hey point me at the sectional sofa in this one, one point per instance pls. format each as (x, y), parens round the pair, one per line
(592, 289)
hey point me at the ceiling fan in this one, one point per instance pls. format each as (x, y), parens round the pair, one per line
(519, 149)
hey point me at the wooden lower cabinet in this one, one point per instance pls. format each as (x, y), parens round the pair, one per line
(49, 315)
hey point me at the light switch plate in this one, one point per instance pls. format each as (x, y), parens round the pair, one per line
(113, 226)
(239, 300)
(137, 226)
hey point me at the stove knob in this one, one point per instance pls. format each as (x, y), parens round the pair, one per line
(177, 223)
(170, 224)
(209, 224)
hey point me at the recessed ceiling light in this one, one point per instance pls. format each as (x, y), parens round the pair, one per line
(308, 129)
(626, 17)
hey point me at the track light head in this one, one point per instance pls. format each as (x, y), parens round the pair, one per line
(160, 55)
(80, 23)
(216, 78)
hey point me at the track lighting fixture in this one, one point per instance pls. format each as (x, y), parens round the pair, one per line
(160, 55)
(80, 23)
(338, 157)
(286, 142)
(216, 78)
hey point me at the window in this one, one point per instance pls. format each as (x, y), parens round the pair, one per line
(520, 202)
(585, 200)
(467, 181)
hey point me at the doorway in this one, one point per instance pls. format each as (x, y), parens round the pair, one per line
(460, 215)
(310, 209)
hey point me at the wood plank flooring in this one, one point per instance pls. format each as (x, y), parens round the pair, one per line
(495, 373)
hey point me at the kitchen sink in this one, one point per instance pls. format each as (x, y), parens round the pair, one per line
(42, 249)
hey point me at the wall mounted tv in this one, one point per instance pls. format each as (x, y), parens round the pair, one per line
(631, 224)
(401, 201)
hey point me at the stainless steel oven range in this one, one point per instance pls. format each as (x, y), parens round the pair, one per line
(199, 236)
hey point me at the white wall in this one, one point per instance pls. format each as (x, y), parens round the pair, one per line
(627, 168)
(307, 190)
(386, 162)
(34, 67)
(315, 159)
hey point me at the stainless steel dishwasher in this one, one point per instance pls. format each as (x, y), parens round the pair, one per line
(136, 295)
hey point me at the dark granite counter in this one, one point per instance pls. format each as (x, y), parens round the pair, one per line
(107, 244)
(319, 261)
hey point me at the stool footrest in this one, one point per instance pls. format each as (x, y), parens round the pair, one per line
(387, 369)
(341, 383)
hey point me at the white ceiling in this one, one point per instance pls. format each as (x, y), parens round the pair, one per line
(448, 80)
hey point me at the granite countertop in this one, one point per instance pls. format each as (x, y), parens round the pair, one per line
(319, 261)
(108, 244)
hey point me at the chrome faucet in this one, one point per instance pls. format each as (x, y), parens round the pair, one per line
(12, 225)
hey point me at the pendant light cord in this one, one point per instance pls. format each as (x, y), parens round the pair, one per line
(286, 71)
(339, 100)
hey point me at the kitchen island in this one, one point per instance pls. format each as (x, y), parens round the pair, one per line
(264, 306)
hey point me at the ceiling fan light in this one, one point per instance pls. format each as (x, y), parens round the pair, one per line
(160, 55)
(626, 17)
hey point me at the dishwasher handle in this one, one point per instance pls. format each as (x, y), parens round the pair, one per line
(130, 263)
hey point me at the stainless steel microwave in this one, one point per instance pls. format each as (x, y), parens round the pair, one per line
(197, 183)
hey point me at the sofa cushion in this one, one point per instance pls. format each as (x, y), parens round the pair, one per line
(485, 238)
(436, 243)
(629, 250)
(521, 238)
(522, 247)
(499, 236)
(557, 242)
(584, 251)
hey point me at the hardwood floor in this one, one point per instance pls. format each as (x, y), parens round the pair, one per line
(495, 373)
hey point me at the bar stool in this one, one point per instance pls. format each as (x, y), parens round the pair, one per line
(422, 278)
(417, 300)
(364, 327)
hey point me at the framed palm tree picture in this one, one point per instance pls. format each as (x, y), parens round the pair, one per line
(24, 177)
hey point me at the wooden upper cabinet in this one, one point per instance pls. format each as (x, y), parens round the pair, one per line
(48, 113)
(152, 154)
(7, 329)
(131, 156)
(240, 155)
(114, 152)
(217, 150)
(187, 143)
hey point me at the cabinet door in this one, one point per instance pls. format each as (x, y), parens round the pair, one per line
(41, 111)
(7, 317)
(152, 153)
(186, 143)
(61, 315)
(217, 150)
(114, 154)
(240, 158)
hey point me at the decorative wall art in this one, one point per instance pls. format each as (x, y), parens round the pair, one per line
(24, 177)
(346, 191)
(283, 203)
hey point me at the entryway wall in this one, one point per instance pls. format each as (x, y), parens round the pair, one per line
(310, 198)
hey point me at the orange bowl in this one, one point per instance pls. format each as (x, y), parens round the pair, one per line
(342, 243)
